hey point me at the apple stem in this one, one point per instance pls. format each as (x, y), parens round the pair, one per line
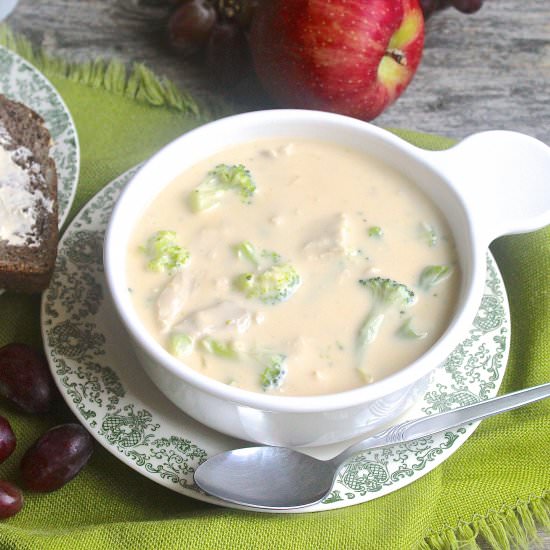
(397, 55)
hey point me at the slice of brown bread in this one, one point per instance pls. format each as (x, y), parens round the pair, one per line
(28, 200)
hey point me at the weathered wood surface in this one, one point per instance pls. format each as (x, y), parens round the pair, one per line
(486, 71)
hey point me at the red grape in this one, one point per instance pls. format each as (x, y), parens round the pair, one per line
(228, 54)
(11, 499)
(7, 439)
(25, 378)
(464, 6)
(467, 6)
(429, 6)
(56, 458)
(190, 25)
(240, 11)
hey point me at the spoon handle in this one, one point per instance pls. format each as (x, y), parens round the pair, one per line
(429, 425)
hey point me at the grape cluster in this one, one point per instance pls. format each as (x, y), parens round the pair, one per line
(464, 6)
(59, 454)
(215, 30)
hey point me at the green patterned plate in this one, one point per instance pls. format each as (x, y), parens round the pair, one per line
(99, 377)
(20, 81)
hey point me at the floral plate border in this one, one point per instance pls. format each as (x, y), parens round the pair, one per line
(21, 81)
(98, 375)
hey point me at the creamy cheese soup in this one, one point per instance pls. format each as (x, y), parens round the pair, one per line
(293, 267)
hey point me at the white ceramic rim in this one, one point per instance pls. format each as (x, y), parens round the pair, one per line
(473, 273)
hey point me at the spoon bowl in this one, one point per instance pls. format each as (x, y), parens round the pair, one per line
(267, 477)
(278, 478)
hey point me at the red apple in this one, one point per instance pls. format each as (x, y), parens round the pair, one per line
(353, 57)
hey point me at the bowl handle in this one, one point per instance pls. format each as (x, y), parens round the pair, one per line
(504, 179)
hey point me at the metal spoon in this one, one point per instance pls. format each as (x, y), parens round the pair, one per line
(279, 478)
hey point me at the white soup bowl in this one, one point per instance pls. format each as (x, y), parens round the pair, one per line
(491, 184)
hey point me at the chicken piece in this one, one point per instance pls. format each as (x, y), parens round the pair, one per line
(334, 240)
(172, 299)
(222, 317)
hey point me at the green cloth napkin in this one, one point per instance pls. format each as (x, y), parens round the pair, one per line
(496, 485)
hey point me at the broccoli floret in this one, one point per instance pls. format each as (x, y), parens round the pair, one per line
(275, 368)
(273, 363)
(427, 233)
(225, 350)
(385, 293)
(273, 282)
(271, 286)
(432, 275)
(218, 181)
(406, 330)
(246, 250)
(181, 344)
(376, 232)
(165, 253)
